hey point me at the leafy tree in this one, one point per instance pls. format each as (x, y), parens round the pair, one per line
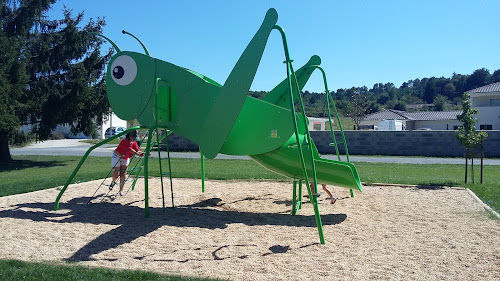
(449, 90)
(430, 91)
(495, 77)
(459, 81)
(359, 106)
(466, 134)
(383, 98)
(400, 105)
(258, 94)
(410, 99)
(480, 77)
(51, 71)
(440, 103)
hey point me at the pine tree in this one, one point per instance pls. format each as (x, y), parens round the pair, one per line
(51, 71)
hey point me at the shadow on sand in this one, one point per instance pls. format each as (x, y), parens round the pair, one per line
(132, 224)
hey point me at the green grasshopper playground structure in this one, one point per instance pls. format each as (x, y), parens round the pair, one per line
(273, 130)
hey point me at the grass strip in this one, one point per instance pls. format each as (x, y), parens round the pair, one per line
(44, 271)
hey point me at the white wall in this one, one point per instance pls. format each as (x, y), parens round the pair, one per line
(437, 124)
(487, 105)
(488, 115)
(319, 122)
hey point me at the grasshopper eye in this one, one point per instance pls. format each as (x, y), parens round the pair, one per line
(124, 70)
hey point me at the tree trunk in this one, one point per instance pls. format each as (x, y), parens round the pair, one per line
(466, 167)
(472, 169)
(4, 148)
(482, 156)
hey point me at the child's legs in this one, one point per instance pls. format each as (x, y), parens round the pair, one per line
(123, 171)
(312, 187)
(123, 174)
(116, 174)
(327, 191)
(115, 165)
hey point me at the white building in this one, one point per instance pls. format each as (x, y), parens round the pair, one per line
(486, 100)
(319, 124)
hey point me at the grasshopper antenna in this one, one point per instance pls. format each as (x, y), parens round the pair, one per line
(109, 40)
(140, 42)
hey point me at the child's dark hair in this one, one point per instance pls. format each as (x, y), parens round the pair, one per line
(132, 134)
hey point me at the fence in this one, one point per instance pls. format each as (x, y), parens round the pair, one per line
(396, 143)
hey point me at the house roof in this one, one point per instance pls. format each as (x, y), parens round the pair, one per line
(391, 114)
(434, 115)
(491, 88)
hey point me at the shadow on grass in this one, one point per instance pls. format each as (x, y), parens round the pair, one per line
(131, 223)
(28, 164)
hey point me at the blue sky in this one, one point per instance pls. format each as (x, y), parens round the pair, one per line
(360, 42)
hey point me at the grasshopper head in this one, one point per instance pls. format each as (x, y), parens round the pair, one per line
(130, 81)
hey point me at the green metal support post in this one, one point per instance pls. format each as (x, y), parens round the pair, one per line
(146, 172)
(297, 198)
(294, 198)
(293, 87)
(202, 172)
(329, 100)
(170, 171)
(161, 170)
(300, 194)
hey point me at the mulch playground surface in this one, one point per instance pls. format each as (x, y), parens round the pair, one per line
(243, 230)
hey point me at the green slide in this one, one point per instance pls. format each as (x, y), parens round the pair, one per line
(285, 161)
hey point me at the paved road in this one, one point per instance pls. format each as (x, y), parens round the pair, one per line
(73, 147)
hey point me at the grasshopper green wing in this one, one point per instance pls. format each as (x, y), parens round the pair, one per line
(229, 101)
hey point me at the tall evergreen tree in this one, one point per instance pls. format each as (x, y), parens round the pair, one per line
(51, 71)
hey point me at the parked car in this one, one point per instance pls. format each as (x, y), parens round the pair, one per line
(111, 131)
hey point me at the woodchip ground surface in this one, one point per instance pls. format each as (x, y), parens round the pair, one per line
(243, 230)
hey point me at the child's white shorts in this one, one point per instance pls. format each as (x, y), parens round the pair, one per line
(115, 158)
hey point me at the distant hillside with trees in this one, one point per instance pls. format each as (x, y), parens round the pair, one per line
(432, 94)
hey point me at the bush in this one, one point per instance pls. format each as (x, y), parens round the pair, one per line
(56, 136)
(20, 138)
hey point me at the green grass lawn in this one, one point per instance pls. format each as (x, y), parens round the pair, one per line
(30, 173)
(27, 271)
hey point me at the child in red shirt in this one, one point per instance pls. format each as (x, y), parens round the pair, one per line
(121, 158)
